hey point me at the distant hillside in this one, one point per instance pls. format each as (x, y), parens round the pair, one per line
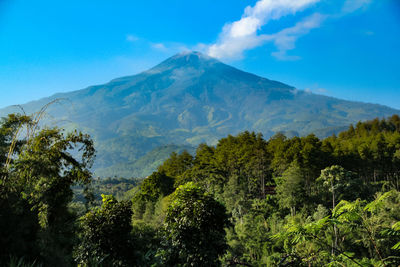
(146, 164)
(188, 99)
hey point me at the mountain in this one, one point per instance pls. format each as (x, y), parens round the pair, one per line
(188, 99)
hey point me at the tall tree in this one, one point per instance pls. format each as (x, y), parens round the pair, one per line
(194, 227)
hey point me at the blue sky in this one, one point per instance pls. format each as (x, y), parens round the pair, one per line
(342, 48)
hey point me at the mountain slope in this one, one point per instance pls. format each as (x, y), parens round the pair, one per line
(191, 98)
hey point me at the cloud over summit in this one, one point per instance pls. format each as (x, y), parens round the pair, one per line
(246, 33)
(243, 34)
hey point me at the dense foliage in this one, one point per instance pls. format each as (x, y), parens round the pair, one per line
(194, 227)
(248, 201)
(37, 173)
(106, 237)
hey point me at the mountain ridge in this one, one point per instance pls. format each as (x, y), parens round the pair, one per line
(191, 98)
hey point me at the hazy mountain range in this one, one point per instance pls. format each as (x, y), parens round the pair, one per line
(136, 121)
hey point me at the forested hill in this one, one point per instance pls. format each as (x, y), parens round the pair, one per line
(297, 201)
(188, 99)
(248, 201)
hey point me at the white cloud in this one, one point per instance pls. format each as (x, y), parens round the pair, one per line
(242, 35)
(244, 27)
(285, 40)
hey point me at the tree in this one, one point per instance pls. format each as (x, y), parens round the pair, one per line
(176, 164)
(339, 181)
(152, 190)
(246, 157)
(39, 169)
(250, 239)
(106, 238)
(369, 234)
(290, 189)
(9, 130)
(204, 170)
(194, 228)
(156, 185)
(374, 223)
(342, 184)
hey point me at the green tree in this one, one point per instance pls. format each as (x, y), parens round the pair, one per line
(246, 157)
(204, 170)
(40, 168)
(368, 233)
(106, 235)
(290, 189)
(156, 185)
(152, 190)
(194, 228)
(176, 164)
(341, 184)
(372, 224)
(251, 239)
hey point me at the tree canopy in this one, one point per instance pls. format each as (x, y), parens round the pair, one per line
(247, 201)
